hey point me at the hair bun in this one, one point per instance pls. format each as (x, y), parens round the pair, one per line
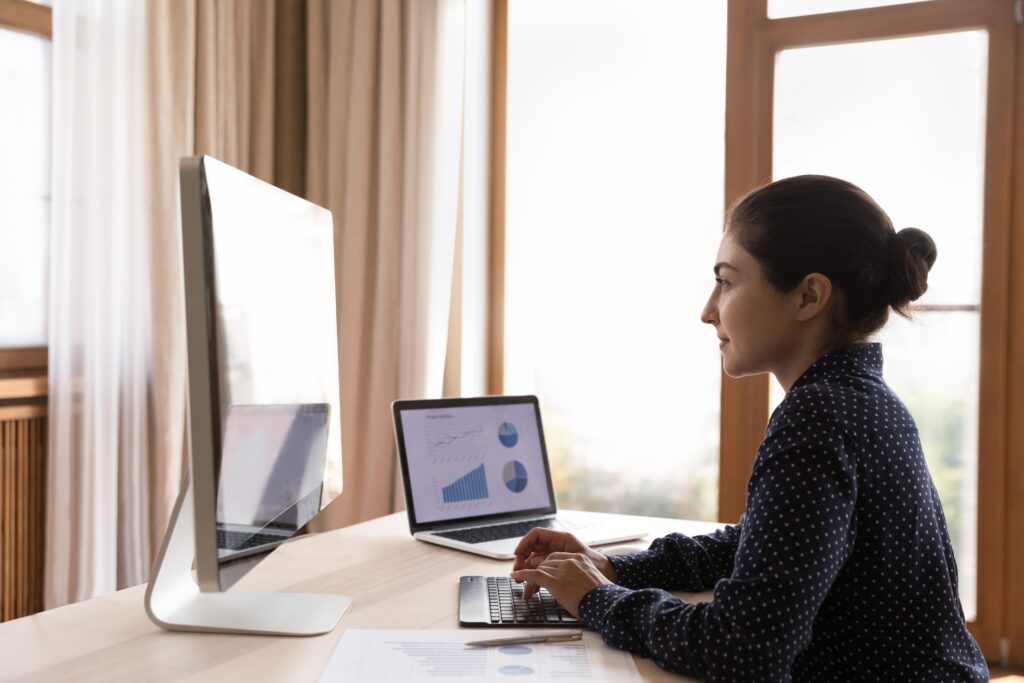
(912, 254)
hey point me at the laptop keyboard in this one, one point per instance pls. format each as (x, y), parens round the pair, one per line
(496, 532)
(239, 540)
(507, 606)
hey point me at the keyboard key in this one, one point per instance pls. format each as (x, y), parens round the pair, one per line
(508, 607)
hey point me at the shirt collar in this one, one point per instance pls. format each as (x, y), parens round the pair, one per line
(861, 359)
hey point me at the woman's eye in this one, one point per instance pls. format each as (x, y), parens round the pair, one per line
(721, 281)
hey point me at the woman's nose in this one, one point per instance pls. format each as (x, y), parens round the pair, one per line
(710, 313)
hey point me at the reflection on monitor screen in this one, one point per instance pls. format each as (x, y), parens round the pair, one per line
(271, 475)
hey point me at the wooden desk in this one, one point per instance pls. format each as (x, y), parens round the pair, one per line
(394, 581)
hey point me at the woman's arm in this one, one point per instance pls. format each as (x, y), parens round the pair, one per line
(796, 536)
(678, 562)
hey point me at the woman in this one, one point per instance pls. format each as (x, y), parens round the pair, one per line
(841, 569)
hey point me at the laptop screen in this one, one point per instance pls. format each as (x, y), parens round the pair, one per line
(465, 461)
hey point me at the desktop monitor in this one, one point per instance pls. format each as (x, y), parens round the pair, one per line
(263, 401)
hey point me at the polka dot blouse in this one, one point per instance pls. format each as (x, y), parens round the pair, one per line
(840, 570)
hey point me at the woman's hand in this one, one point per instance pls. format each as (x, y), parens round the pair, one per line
(567, 576)
(540, 543)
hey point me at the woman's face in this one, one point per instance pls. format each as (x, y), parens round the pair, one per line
(756, 324)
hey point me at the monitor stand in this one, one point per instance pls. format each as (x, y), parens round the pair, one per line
(174, 601)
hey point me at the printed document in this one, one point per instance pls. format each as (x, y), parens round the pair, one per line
(411, 656)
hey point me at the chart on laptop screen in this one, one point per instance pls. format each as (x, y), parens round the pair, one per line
(474, 460)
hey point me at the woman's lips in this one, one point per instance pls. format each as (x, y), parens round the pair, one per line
(722, 343)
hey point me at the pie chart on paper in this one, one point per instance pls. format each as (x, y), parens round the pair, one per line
(514, 475)
(508, 435)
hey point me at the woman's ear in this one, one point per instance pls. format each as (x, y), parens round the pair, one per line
(815, 294)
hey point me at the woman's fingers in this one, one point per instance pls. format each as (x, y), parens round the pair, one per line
(535, 541)
(542, 541)
(540, 577)
(568, 577)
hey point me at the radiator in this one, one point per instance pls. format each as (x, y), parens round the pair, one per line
(22, 509)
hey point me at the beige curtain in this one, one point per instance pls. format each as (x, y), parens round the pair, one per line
(308, 96)
(354, 168)
(171, 31)
(355, 104)
(358, 106)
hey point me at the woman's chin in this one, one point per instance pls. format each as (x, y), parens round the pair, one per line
(729, 368)
(736, 370)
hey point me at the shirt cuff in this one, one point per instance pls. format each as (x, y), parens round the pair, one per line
(594, 606)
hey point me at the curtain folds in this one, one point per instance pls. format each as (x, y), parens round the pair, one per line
(355, 115)
(357, 105)
(97, 494)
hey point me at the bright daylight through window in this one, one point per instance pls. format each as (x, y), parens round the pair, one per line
(24, 187)
(615, 200)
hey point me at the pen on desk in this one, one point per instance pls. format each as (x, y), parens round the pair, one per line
(531, 638)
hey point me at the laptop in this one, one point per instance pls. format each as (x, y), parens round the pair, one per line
(270, 477)
(477, 478)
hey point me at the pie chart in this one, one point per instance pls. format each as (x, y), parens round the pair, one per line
(515, 476)
(516, 670)
(508, 435)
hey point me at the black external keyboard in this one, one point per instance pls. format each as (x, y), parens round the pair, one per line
(496, 532)
(508, 607)
(239, 540)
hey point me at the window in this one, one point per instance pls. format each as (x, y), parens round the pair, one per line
(24, 172)
(915, 103)
(614, 210)
(905, 120)
(912, 99)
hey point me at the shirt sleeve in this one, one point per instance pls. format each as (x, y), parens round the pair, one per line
(798, 532)
(678, 562)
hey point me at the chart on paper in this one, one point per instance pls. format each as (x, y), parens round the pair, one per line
(422, 656)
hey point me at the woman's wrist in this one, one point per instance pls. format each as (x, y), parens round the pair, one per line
(607, 568)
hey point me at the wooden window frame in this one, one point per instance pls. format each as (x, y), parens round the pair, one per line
(753, 41)
(29, 17)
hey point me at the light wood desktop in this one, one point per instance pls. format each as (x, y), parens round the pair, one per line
(394, 581)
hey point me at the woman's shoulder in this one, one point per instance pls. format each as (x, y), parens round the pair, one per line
(858, 405)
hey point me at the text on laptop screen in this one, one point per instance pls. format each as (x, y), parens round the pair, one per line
(468, 461)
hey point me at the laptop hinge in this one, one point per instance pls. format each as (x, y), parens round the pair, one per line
(480, 523)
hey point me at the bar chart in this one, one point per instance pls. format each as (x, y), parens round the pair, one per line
(470, 486)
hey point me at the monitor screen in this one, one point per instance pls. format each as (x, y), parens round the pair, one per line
(270, 298)
(469, 461)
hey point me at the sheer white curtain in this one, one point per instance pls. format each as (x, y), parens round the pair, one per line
(97, 508)
(435, 86)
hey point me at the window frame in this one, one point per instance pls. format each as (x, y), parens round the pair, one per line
(30, 17)
(753, 42)
(27, 17)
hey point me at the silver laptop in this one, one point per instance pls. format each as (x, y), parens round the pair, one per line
(477, 478)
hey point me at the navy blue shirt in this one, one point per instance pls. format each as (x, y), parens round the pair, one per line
(840, 570)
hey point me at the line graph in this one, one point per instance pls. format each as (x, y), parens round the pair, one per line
(456, 437)
(452, 442)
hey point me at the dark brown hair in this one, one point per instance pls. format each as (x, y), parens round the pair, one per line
(819, 224)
